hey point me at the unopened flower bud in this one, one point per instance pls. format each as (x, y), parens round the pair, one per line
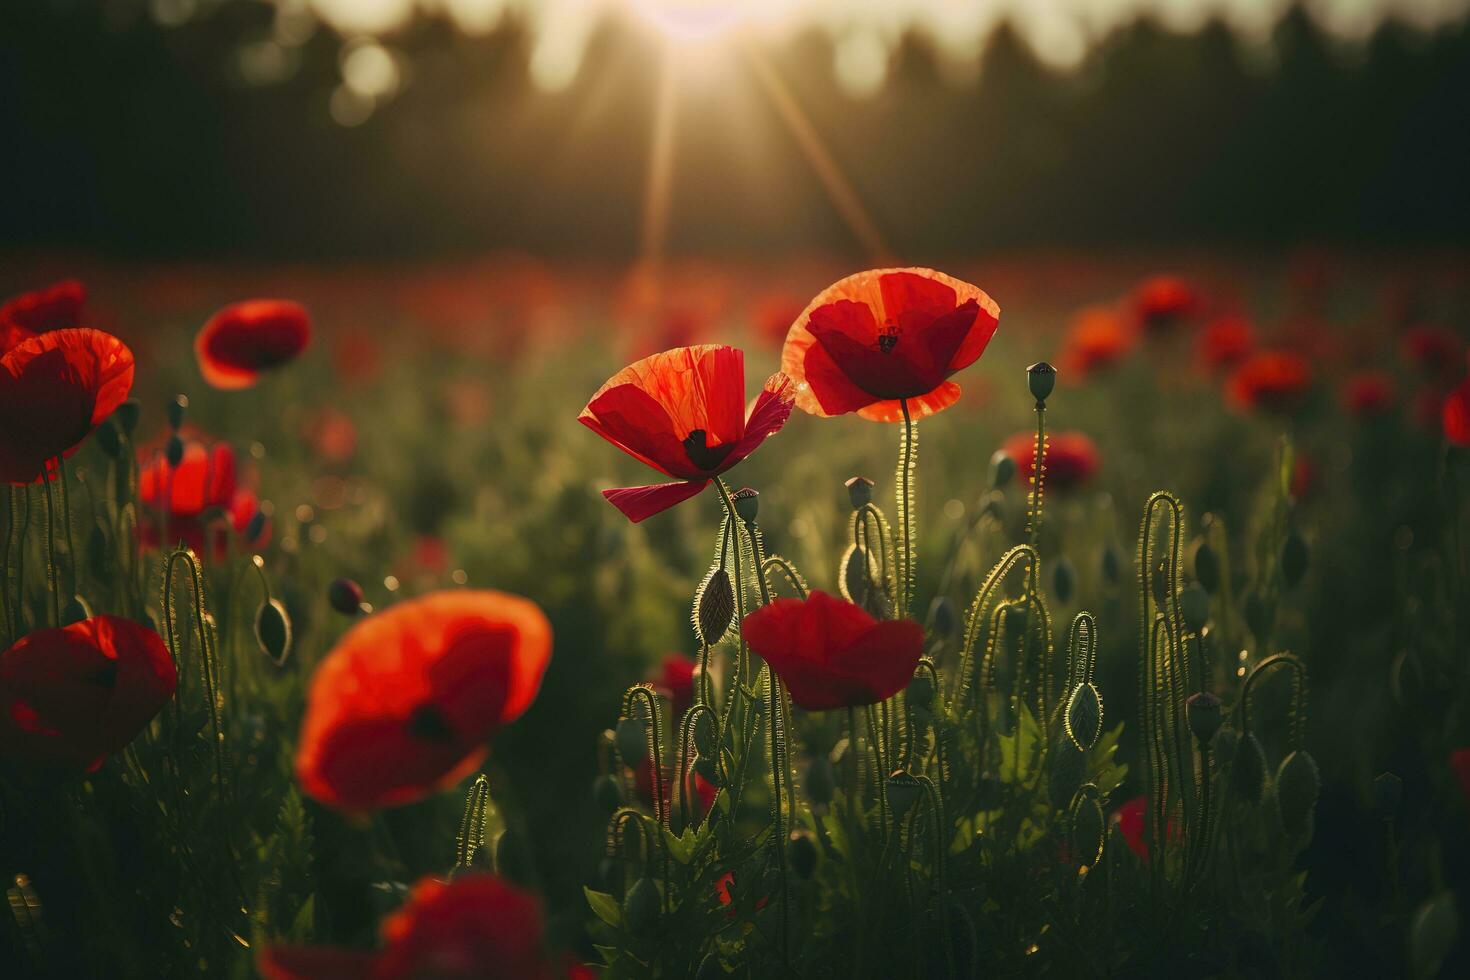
(177, 409)
(860, 492)
(1002, 469)
(820, 780)
(607, 794)
(1194, 607)
(174, 450)
(1112, 564)
(903, 791)
(1063, 581)
(127, 415)
(75, 611)
(273, 631)
(747, 504)
(802, 852)
(1204, 713)
(345, 596)
(256, 527)
(631, 738)
(1041, 377)
(714, 606)
(1207, 567)
(942, 619)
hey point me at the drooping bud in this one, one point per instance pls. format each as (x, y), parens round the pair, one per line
(631, 738)
(1002, 469)
(706, 735)
(1089, 830)
(1112, 564)
(174, 450)
(1041, 378)
(1063, 581)
(1203, 710)
(607, 794)
(75, 611)
(641, 906)
(177, 409)
(255, 527)
(345, 595)
(821, 780)
(801, 850)
(1297, 786)
(747, 504)
(1294, 556)
(1084, 717)
(273, 631)
(1207, 567)
(109, 439)
(714, 606)
(903, 791)
(1249, 774)
(1388, 792)
(920, 692)
(97, 556)
(1067, 768)
(1194, 607)
(127, 415)
(942, 619)
(860, 492)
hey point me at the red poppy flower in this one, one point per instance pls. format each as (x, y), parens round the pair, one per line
(773, 316)
(1131, 819)
(1455, 414)
(699, 791)
(1226, 341)
(1097, 338)
(406, 701)
(55, 388)
(1433, 349)
(1273, 380)
(241, 341)
(1368, 393)
(682, 412)
(675, 681)
(200, 491)
(1071, 458)
(476, 927)
(53, 308)
(1460, 766)
(75, 695)
(1303, 477)
(871, 341)
(1161, 302)
(830, 653)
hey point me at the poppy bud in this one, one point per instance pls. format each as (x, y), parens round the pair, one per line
(1112, 564)
(714, 606)
(1207, 567)
(97, 556)
(641, 905)
(1002, 469)
(177, 409)
(1297, 786)
(1388, 792)
(1259, 614)
(820, 780)
(860, 492)
(942, 619)
(1433, 933)
(802, 853)
(1084, 717)
(1067, 767)
(1293, 560)
(710, 968)
(345, 596)
(1249, 772)
(747, 504)
(1194, 607)
(607, 794)
(1063, 580)
(854, 577)
(174, 450)
(1089, 831)
(127, 415)
(75, 611)
(706, 736)
(631, 738)
(903, 792)
(1203, 711)
(1041, 378)
(109, 439)
(512, 860)
(273, 631)
(256, 526)
(920, 692)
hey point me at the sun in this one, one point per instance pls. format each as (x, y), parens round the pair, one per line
(690, 19)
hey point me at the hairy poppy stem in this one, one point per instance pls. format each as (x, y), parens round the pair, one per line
(71, 550)
(906, 508)
(53, 573)
(1038, 478)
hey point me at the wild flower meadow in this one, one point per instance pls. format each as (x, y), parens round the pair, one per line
(333, 647)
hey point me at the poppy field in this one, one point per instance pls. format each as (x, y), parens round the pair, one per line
(335, 647)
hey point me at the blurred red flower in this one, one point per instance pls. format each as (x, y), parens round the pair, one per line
(1162, 302)
(54, 308)
(201, 493)
(1097, 338)
(675, 681)
(1368, 393)
(476, 927)
(406, 701)
(244, 339)
(1071, 458)
(1226, 341)
(63, 384)
(699, 791)
(1460, 766)
(773, 316)
(1131, 819)
(1272, 380)
(830, 653)
(1455, 414)
(876, 339)
(75, 695)
(683, 413)
(1433, 349)
(331, 434)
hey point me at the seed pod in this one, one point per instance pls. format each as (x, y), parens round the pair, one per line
(174, 450)
(177, 409)
(706, 735)
(747, 504)
(1002, 469)
(1063, 581)
(1194, 607)
(1388, 792)
(1041, 378)
(859, 492)
(714, 606)
(802, 852)
(631, 738)
(641, 906)
(1089, 830)
(1204, 713)
(1112, 564)
(1248, 778)
(821, 780)
(1293, 560)
(127, 415)
(1207, 567)
(75, 611)
(903, 792)
(1433, 933)
(512, 860)
(1084, 717)
(1067, 768)
(345, 596)
(1297, 786)
(607, 794)
(273, 631)
(942, 619)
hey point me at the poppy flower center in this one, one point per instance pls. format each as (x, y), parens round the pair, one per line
(429, 723)
(888, 337)
(702, 456)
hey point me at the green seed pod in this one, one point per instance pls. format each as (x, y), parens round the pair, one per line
(177, 409)
(1041, 378)
(642, 906)
(512, 860)
(1205, 715)
(1388, 793)
(631, 739)
(714, 606)
(1089, 830)
(1207, 567)
(1067, 768)
(903, 792)
(1293, 560)
(1112, 564)
(1002, 469)
(75, 610)
(747, 504)
(174, 450)
(821, 780)
(706, 735)
(1433, 932)
(1063, 581)
(345, 596)
(801, 850)
(1297, 786)
(273, 631)
(1248, 778)
(859, 492)
(127, 415)
(943, 621)
(1194, 607)
(607, 794)
(1084, 716)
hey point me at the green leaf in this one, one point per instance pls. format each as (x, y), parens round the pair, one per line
(607, 908)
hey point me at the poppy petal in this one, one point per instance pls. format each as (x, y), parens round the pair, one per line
(244, 339)
(53, 308)
(768, 413)
(920, 407)
(631, 419)
(640, 503)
